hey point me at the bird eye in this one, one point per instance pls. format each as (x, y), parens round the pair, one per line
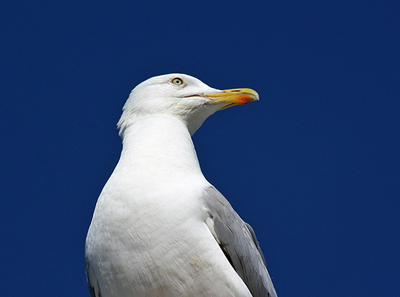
(177, 81)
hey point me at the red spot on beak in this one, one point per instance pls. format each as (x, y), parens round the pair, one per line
(244, 99)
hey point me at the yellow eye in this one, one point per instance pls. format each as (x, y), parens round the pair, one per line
(177, 81)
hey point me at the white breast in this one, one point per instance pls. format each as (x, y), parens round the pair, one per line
(148, 236)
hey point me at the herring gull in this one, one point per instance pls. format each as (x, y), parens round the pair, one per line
(159, 228)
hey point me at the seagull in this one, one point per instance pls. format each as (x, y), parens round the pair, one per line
(159, 228)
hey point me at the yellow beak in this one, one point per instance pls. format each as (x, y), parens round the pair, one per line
(232, 97)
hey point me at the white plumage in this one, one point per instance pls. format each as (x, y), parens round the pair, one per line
(159, 227)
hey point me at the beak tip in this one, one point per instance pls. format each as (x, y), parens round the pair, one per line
(244, 99)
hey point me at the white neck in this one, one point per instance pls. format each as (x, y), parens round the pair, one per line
(159, 147)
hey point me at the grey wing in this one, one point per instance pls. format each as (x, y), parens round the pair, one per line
(253, 235)
(239, 244)
(92, 283)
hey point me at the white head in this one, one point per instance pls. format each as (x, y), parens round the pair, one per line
(180, 96)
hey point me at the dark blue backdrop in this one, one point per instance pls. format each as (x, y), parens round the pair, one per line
(314, 166)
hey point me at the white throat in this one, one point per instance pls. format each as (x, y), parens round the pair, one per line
(159, 147)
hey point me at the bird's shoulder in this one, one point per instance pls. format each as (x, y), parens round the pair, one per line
(238, 241)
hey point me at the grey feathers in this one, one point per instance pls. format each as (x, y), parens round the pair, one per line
(238, 242)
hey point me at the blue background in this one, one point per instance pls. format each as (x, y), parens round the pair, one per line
(313, 166)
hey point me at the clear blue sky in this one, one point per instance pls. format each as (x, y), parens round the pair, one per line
(314, 166)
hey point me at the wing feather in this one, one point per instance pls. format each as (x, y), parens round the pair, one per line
(92, 282)
(239, 243)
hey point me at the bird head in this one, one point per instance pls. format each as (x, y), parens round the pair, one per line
(180, 96)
